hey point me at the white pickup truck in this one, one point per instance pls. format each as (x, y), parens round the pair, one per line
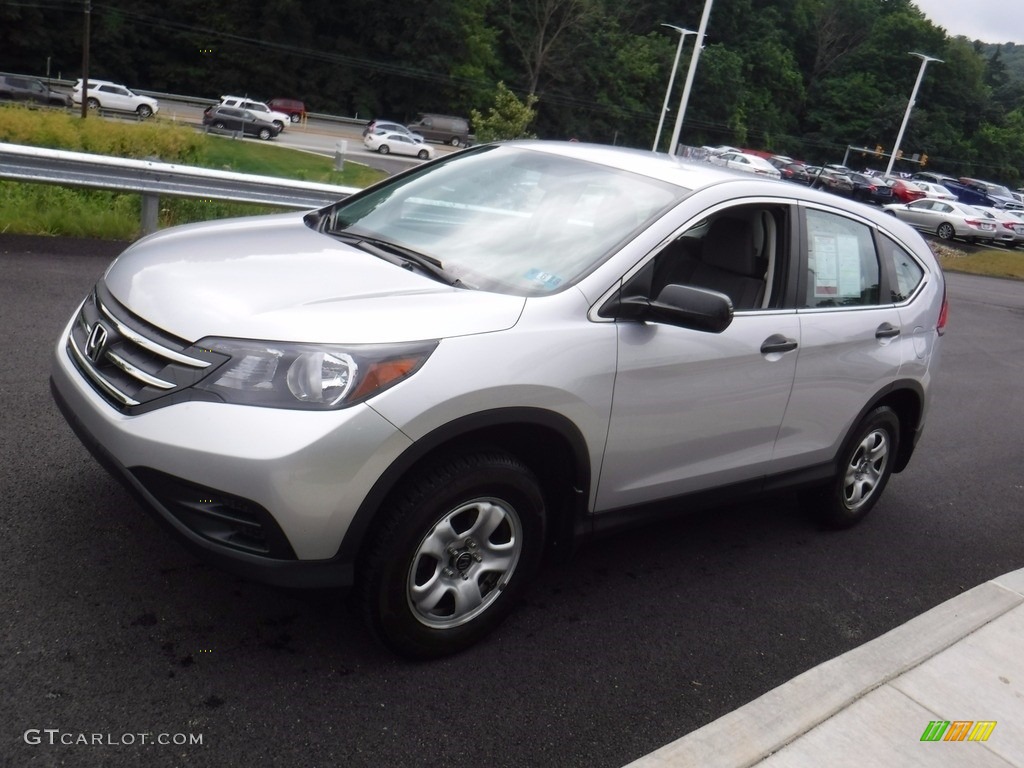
(280, 119)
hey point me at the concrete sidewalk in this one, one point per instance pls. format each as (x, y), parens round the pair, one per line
(961, 662)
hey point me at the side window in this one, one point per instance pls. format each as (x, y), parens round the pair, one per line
(906, 272)
(842, 266)
(736, 252)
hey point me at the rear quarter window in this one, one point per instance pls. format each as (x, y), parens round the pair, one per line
(907, 273)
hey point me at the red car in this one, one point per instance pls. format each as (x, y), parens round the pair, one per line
(904, 191)
(294, 108)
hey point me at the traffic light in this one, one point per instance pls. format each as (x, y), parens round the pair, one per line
(878, 149)
(924, 160)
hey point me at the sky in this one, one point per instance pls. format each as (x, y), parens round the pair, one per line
(991, 21)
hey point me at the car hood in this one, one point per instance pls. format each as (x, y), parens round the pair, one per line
(272, 277)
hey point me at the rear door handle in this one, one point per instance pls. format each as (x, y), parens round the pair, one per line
(777, 343)
(887, 331)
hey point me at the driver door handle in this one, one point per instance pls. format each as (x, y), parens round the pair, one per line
(777, 343)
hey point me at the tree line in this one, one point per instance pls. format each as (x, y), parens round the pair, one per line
(807, 78)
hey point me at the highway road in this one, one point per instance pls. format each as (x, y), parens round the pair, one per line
(113, 637)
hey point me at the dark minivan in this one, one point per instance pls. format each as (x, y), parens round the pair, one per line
(443, 128)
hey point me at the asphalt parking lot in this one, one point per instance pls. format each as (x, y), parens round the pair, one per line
(114, 637)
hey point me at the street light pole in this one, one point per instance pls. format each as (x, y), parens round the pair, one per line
(910, 107)
(671, 79)
(690, 74)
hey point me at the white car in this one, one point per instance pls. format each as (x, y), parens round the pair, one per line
(1009, 228)
(399, 143)
(104, 94)
(741, 161)
(280, 119)
(934, 191)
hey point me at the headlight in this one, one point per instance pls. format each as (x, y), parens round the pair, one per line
(308, 376)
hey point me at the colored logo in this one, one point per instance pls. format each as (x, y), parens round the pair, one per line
(958, 730)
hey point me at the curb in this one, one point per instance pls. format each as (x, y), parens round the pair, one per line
(786, 713)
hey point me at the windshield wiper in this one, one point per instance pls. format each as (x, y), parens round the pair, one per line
(399, 255)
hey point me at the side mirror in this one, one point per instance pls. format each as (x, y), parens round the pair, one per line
(683, 306)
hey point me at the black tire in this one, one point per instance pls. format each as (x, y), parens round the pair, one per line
(945, 231)
(455, 141)
(218, 124)
(383, 149)
(423, 155)
(294, 118)
(92, 103)
(864, 467)
(459, 541)
(144, 111)
(280, 125)
(265, 133)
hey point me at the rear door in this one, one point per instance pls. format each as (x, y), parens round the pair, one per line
(851, 337)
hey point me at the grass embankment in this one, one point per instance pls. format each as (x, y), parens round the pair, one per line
(56, 210)
(992, 262)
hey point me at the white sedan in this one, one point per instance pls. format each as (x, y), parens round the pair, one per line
(742, 161)
(934, 191)
(398, 143)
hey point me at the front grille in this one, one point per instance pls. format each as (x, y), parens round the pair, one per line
(130, 362)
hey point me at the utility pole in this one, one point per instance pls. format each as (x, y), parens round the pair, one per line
(87, 7)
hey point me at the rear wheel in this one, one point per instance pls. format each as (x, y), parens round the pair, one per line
(92, 103)
(423, 155)
(218, 124)
(945, 231)
(459, 542)
(864, 470)
(383, 149)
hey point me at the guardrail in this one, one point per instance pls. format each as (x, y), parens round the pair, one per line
(152, 178)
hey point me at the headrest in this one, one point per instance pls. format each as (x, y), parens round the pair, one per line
(729, 245)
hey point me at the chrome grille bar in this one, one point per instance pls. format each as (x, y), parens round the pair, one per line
(148, 344)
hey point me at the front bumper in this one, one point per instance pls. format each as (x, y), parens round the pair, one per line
(265, 493)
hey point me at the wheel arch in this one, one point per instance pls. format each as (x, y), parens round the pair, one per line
(546, 442)
(906, 398)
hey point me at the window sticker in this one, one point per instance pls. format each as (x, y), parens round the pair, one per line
(547, 279)
(837, 272)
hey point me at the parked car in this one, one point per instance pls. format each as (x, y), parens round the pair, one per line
(385, 126)
(399, 143)
(295, 109)
(834, 181)
(945, 219)
(423, 389)
(869, 189)
(103, 94)
(933, 178)
(790, 170)
(934, 191)
(741, 161)
(904, 190)
(1009, 229)
(261, 110)
(31, 90)
(997, 195)
(246, 121)
(442, 128)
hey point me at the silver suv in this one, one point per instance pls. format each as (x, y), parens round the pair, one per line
(422, 389)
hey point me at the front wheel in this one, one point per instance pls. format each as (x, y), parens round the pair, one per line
(459, 542)
(144, 111)
(264, 133)
(455, 141)
(294, 118)
(945, 231)
(279, 125)
(864, 469)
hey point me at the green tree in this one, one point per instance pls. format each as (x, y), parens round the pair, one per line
(509, 118)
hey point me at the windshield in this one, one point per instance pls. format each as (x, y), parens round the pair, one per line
(508, 219)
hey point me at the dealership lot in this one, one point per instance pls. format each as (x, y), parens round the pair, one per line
(111, 629)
